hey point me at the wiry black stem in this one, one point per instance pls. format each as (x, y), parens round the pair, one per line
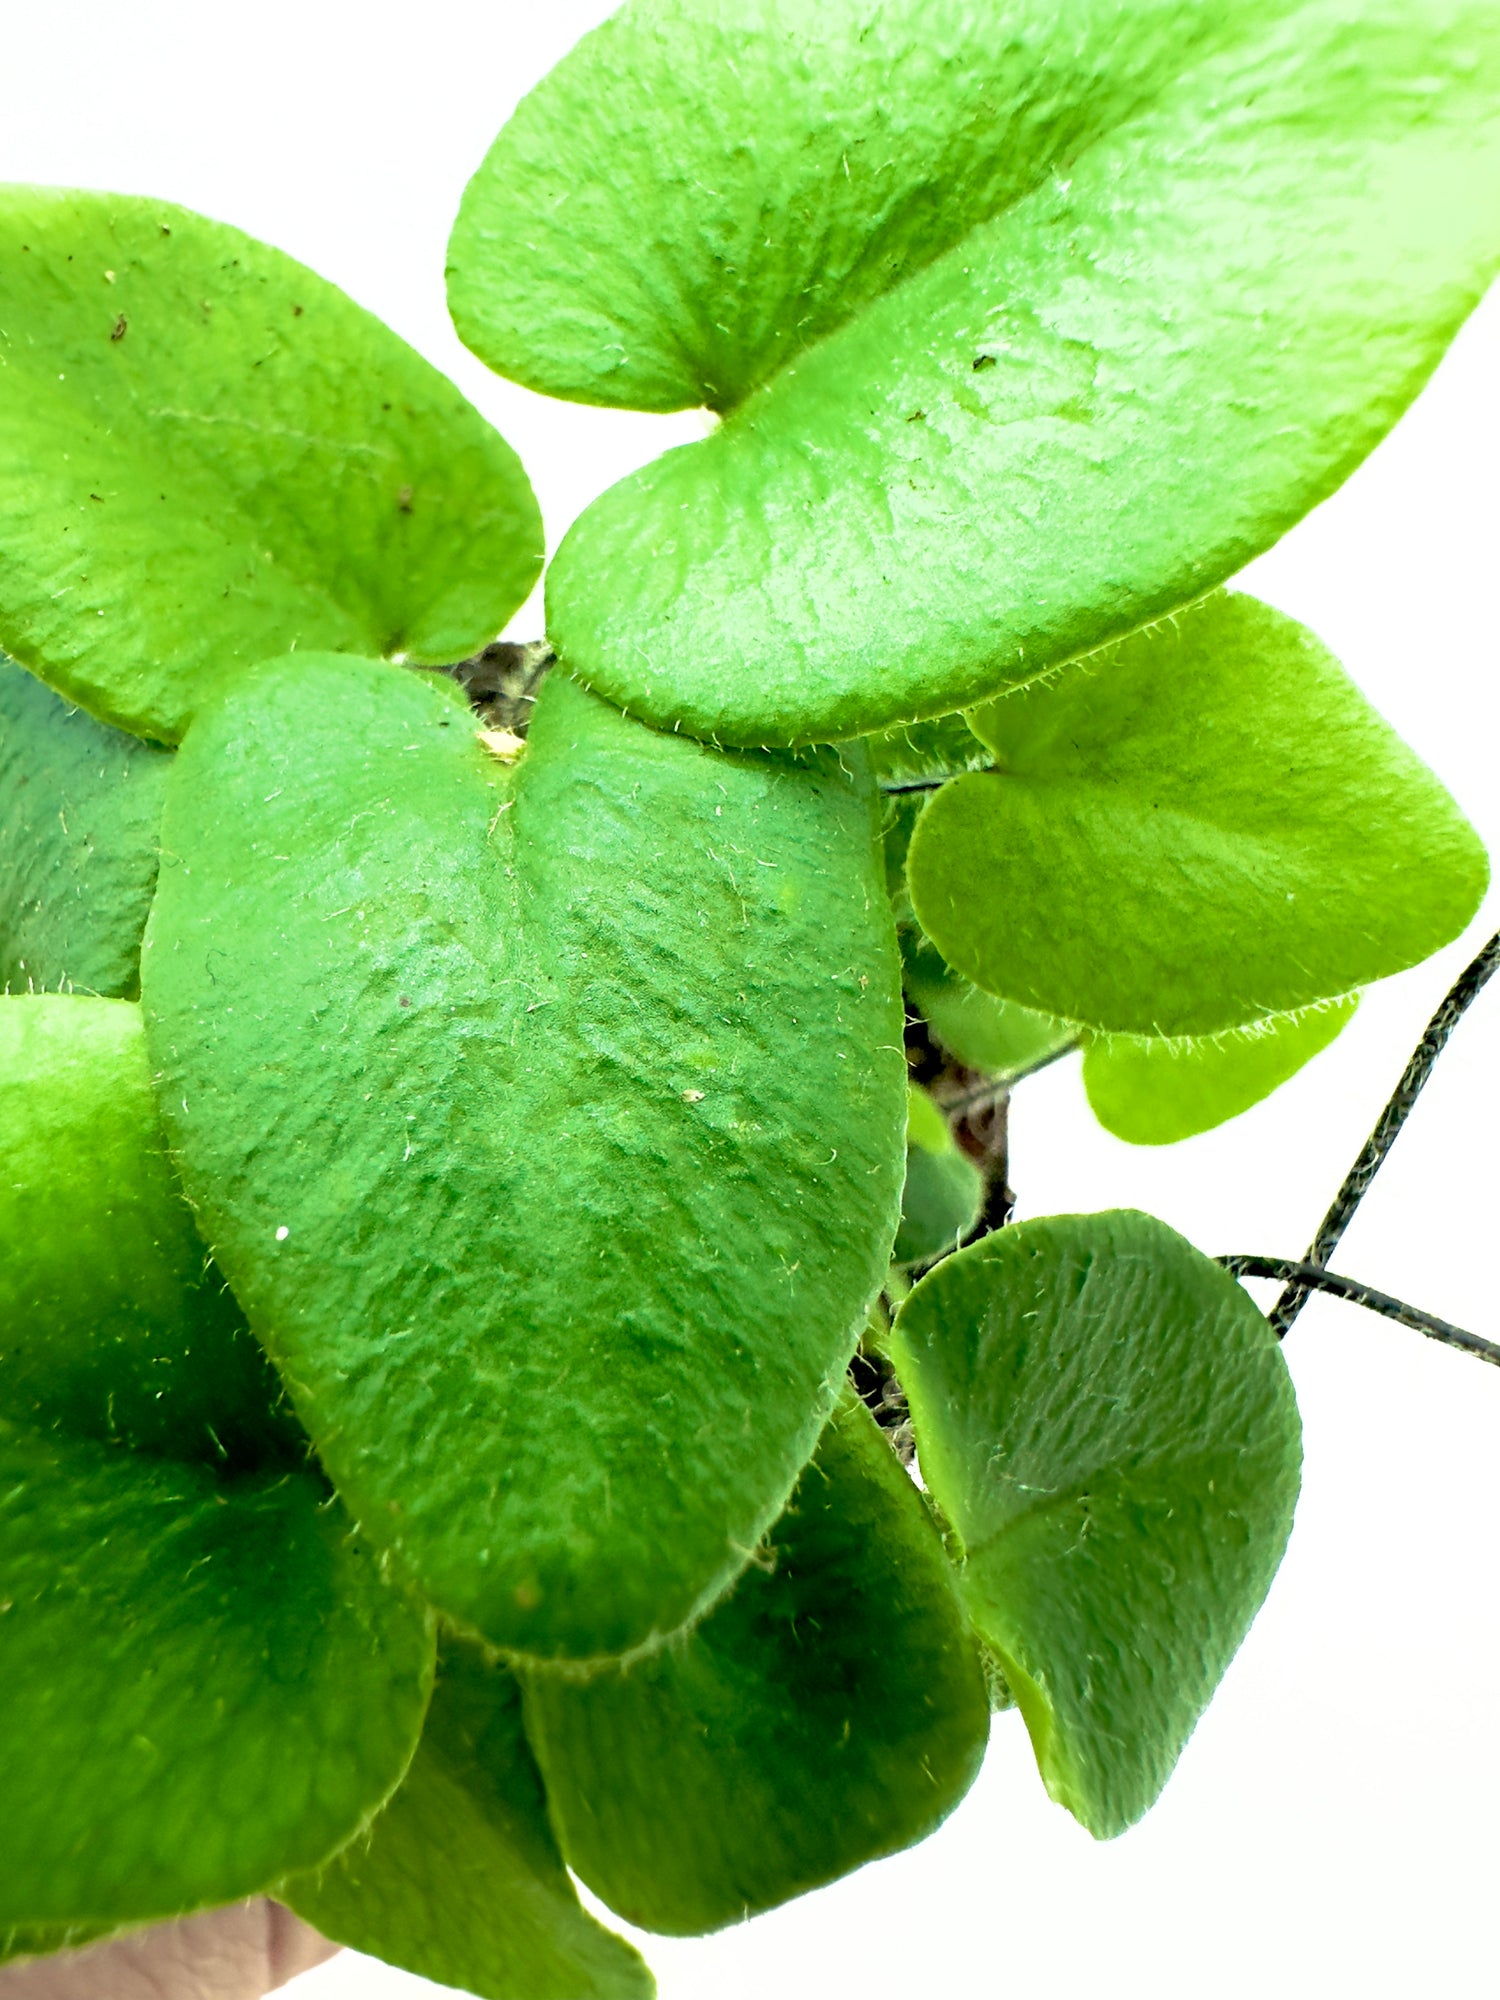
(1313, 1277)
(1463, 992)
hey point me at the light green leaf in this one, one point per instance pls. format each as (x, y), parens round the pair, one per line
(459, 1879)
(1106, 301)
(207, 1683)
(981, 1030)
(1200, 827)
(1154, 1092)
(115, 1325)
(548, 1122)
(209, 454)
(80, 810)
(832, 1710)
(1108, 1425)
(944, 1189)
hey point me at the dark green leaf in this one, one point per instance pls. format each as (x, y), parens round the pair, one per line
(944, 1189)
(209, 454)
(1153, 1092)
(1053, 327)
(113, 1325)
(548, 1122)
(832, 1710)
(459, 1879)
(80, 810)
(1108, 1425)
(206, 1682)
(1200, 827)
(981, 1030)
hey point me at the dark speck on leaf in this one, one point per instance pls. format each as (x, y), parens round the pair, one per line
(983, 361)
(403, 499)
(405, 1000)
(917, 417)
(117, 331)
(296, 312)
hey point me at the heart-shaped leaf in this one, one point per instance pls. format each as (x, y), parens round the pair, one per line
(1028, 334)
(944, 1189)
(1154, 1092)
(1200, 827)
(459, 1879)
(80, 810)
(547, 1123)
(832, 1710)
(1109, 1427)
(209, 454)
(206, 1681)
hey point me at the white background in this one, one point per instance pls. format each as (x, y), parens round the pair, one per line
(1330, 1829)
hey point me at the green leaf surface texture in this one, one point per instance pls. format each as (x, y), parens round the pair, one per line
(944, 1189)
(209, 454)
(206, 1682)
(113, 1324)
(1108, 296)
(924, 753)
(830, 1711)
(459, 1879)
(1154, 1092)
(981, 1030)
(548, 1124)
(1108, 1425)
(1198, 828)
(80, 812)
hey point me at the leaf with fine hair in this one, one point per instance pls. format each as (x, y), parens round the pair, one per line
(207, 1680)
(1154, 1092)
(831, 1710)
(80, 812)
(459, 1879)
(1109, 1428)
(209, 454)
(944, 1189)
(547, 1119)
(1026, 338)
(1201, 827)
(981, 1030)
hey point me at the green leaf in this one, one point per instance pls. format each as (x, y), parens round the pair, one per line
(1034, 347)
(113, 1324)
(459, 1879)
(1153, 1092)
(80, 810)
(208, 454)
(207, 1683)
(548, 1123)
(944, 1189)
(1108, 1425)
(832, 1710)
(980, 1030)
(1196, 829)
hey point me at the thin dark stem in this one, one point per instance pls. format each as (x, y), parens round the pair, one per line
(998, 1088)
(1464, 990)
(1313, 1277)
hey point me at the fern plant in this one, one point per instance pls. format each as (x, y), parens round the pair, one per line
(505, 1144)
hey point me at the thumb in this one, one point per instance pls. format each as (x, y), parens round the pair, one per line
(238, 1953)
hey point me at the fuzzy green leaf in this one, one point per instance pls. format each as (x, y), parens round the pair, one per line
(922, 753)
(209, 454)
(115, 1326)
(1200, 827)
(832, 1710)
(548, 1122)
(80, 812)
(1154, 1092)
(981, 1030)
(1109, 1427)
(206, 1682)
(459, 1879)
(1030, 336)
(944, 1189)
